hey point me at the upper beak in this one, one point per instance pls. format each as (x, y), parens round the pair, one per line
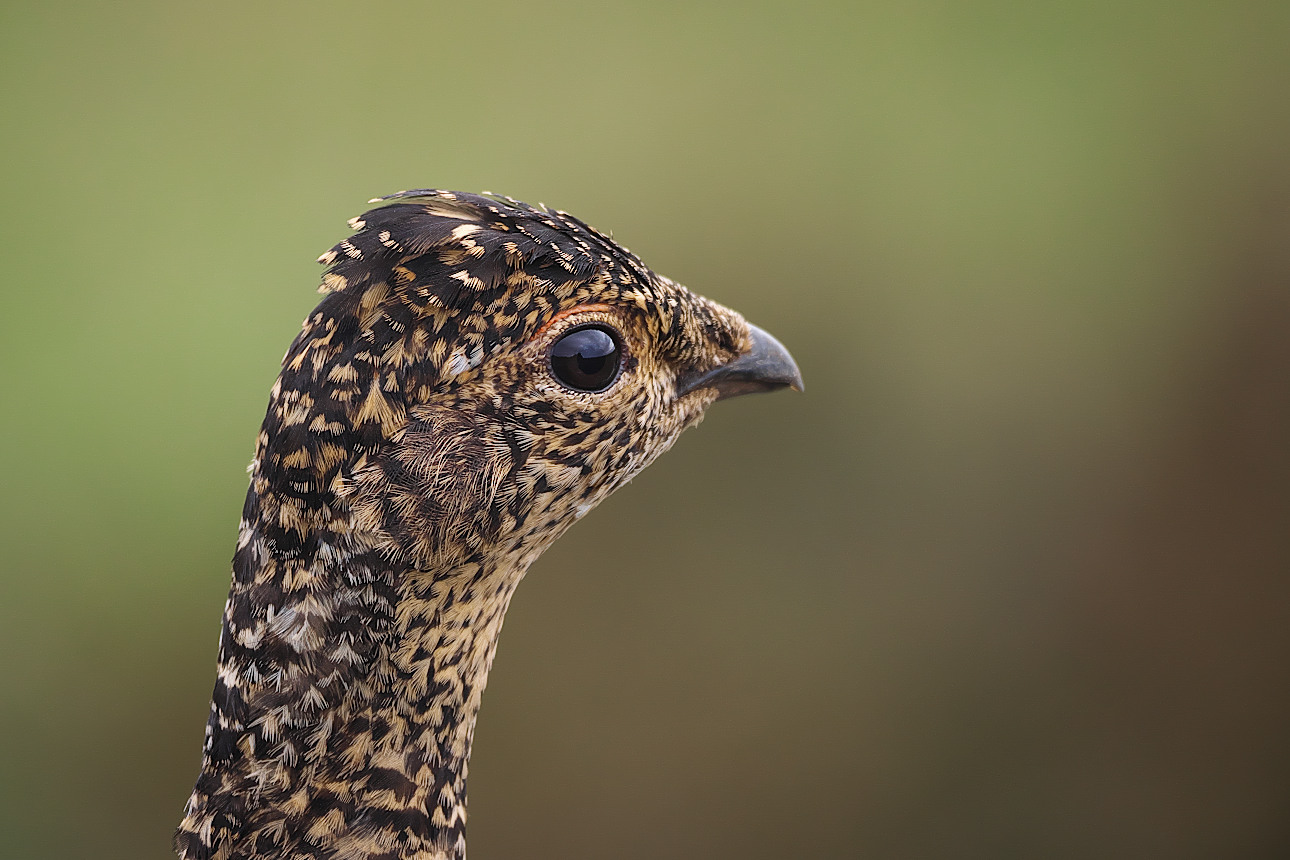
(766, 366)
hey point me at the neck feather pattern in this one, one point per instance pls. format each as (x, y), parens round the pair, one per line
(347, 692)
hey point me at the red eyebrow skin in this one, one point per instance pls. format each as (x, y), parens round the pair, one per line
(569, 311)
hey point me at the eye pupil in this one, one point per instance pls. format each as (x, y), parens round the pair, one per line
(586, 359)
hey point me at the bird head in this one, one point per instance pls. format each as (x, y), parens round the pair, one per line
(483, 373)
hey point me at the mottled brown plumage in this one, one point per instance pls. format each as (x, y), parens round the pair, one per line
(419, 452)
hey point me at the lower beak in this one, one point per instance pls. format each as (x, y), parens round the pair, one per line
(766, 366)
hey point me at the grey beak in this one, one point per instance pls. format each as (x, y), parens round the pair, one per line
(766, 366)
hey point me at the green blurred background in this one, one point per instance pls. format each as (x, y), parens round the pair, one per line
(1012, 579)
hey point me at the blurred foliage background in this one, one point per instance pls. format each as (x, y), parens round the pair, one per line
(1012, 578)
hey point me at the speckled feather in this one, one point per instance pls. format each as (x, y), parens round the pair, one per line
(415, 458)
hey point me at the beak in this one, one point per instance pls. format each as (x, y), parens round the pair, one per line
(766, 366)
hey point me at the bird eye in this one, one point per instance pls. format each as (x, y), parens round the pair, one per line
(586, 359)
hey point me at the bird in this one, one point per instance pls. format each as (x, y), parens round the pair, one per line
(479, 374)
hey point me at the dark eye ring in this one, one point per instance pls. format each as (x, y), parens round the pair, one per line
(587, 358)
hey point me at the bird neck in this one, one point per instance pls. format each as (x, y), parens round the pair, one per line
(345, 704)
